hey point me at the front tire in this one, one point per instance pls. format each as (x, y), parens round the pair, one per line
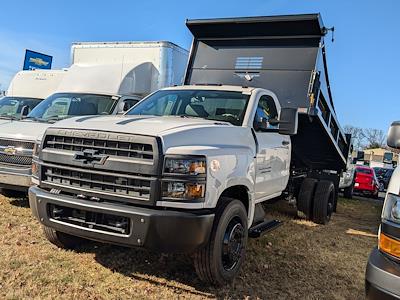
(220, 260)
(62, 240)
(348, 192)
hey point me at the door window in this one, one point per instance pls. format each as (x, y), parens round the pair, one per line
(266, 110)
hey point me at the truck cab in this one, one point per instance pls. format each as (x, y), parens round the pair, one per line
(27, 89)
(382, 276)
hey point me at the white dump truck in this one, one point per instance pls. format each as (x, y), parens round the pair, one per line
(188, 168)
(26, 90)
(104, 79)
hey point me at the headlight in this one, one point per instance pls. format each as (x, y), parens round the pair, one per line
(184, 178)
(391, 208)
(185, 166)
(183, 190)
(36, 148)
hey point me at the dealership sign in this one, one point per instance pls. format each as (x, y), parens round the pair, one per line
(35, 60)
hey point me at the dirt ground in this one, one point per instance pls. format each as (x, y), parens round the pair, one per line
(298, 260)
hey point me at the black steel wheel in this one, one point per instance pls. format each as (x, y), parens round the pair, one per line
(220, 260)
(233, 243)
(324, 202)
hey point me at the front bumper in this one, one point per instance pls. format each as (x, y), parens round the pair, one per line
(382, 277)
(15, 178)
(159, 230)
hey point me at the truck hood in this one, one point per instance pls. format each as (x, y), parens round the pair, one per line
(144, 125)
(178, 134)
(23, 130)
(4, 121)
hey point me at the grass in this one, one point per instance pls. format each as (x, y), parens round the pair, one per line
(298, 260)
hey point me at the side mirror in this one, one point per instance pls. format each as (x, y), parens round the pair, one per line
(288, 121)
(393, 137)
(122, 107)
(25, 111)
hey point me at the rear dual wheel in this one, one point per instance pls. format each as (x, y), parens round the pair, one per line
(317, 200)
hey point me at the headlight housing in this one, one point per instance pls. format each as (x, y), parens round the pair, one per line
(36, 148)
(391, 208)
(184, 178)
(185, 166)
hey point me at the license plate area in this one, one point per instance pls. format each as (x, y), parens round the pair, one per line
(90, 220)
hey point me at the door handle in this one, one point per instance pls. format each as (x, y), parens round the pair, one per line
(285, 143)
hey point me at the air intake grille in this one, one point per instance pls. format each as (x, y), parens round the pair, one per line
(17, 144)
(108, 147)
(98, 182)
(15, 160)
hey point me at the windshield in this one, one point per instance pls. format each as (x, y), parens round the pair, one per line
(211, 105)
(64, 105)
(11, 106)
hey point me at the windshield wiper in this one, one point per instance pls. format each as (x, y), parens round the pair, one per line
(53, 119)
(9, 117)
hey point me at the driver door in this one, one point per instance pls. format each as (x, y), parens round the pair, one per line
(272, 159)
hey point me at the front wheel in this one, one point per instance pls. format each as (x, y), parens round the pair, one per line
(348, 192)
(220, 260)
(61, 239)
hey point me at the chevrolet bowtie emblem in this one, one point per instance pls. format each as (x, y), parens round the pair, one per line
(10, 150)
(90, 157)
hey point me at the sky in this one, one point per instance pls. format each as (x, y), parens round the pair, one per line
(363, 61)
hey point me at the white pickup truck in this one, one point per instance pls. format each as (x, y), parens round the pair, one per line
(104, 78)
(187, 168)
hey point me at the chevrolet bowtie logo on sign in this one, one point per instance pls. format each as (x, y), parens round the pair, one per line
(38, 61)
(90, 157)
(10, 150)
(35, 60)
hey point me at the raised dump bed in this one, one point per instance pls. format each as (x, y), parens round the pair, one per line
(284, 54)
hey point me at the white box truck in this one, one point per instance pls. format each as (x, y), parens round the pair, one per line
(188, 168)
(104, 78)
(26, 90)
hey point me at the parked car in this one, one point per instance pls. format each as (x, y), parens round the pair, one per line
(346, 183)
(366, 182)
(382, 277)
(380, 173)
(386, 178)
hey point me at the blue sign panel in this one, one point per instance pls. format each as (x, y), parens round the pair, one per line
(35, 60)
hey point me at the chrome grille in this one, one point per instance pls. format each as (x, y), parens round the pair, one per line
(81, 180)
(15, 160)
(107, 147)
(17, 144)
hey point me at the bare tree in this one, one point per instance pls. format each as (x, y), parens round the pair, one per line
(375, 138)
(357, 136)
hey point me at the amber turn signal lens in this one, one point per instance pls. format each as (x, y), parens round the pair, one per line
(389, 245)
(195, 190)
